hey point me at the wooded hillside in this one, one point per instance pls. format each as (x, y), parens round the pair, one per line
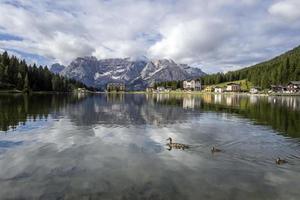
(17, 74)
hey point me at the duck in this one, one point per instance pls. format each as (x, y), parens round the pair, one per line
(176, 145)
(214, 150)
(280, 161)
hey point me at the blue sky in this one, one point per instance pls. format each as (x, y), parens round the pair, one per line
(218, 35)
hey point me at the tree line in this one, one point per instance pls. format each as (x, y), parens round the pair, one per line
(17, 74)
(169, 84)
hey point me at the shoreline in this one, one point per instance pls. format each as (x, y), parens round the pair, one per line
(223, 93)
(155, 93)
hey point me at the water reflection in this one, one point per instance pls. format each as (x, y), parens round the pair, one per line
(114, 147)
(281, 113)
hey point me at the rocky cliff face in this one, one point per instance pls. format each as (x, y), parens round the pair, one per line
(136, 74)
(57, 68)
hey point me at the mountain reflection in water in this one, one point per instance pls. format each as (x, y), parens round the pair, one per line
(280, 113)
(114, 146)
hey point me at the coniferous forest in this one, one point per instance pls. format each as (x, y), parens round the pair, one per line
(16, 74)
(170, 84)
(279, 70)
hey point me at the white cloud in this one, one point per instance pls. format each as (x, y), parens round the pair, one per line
(216, 35)
(189, 39)
(287, 9)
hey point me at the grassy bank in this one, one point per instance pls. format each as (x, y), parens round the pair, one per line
(245, 85)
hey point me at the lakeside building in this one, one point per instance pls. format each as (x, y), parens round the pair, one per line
(162, 89)
(255, 90)
(81, 90)
(233, 87)
(293, 86)
(192, 85)
(117, 87)
(278, 88)
(209, 89)
(219, 89)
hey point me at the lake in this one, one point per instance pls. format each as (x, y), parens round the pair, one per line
(114, 147)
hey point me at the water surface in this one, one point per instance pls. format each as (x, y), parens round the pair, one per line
(113, 147)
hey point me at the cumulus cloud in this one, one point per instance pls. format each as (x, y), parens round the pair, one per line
(189, 39)
(215, 35)
(288, 9)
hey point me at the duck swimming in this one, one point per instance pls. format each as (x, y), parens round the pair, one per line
(214, 150)
(280, 161)
(176, 145)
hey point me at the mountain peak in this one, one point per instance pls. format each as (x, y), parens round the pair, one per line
(137, 73)
(86, 58)
(57, 68)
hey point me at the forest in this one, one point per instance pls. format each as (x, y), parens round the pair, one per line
(170, 84)
(16, 74)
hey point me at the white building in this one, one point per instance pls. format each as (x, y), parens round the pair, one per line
(192, 85)
(219, 89)
(162, 89)
(254, 90)
(233, 87)
(293, 86)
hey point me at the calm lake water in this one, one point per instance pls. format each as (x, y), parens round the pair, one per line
(114, 147)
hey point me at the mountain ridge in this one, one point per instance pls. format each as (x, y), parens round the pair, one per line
(137, 74)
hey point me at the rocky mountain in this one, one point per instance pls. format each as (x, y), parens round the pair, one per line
(136, 74)
(57, 68)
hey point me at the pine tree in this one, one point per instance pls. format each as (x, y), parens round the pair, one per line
(5, 59)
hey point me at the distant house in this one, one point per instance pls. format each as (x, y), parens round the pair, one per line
(293, 86)
(160, 89)
(209, 89)
(192, 85)
(219, 89)
(254, 90)
(233, 87)
(116, 87)
(81, 90)
(278, 88)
